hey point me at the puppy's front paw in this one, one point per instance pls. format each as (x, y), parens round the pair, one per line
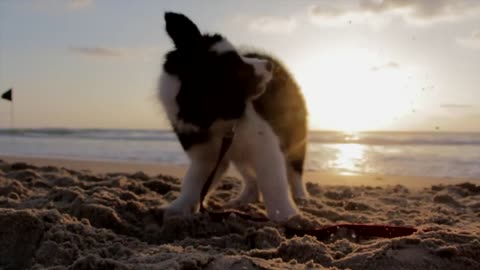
(179, 208)
(300, 194)
(301, 201)
(282, 215)
(242, 200)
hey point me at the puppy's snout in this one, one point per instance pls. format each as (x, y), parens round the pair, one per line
(263, 68)
(269, 66)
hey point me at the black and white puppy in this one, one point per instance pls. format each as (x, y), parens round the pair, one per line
(206, 87)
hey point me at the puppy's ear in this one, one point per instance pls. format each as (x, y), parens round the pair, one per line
(182, 30)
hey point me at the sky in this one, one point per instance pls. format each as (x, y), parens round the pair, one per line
(408, 65)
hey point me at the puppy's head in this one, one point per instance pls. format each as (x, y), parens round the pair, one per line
(212, 71)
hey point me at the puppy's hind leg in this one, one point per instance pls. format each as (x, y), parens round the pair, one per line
(295, 171)
(297, 186)
(249, 192)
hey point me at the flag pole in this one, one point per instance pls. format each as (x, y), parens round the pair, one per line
(12, 117)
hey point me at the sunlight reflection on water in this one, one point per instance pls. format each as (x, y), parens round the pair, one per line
(348, 158)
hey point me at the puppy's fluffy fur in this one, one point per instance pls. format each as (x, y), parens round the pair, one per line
(206, 87)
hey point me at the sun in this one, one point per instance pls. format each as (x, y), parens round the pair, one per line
(354, 90)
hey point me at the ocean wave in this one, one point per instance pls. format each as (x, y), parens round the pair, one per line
(93, 134)
(323, 137)
(400, 138)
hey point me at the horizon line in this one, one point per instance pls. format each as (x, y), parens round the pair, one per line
(309, 130)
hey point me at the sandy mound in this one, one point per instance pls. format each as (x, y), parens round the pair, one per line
(54, 218)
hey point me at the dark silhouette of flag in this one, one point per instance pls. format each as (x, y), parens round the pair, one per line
(8, 95)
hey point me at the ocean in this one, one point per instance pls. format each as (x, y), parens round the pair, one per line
(430, 154)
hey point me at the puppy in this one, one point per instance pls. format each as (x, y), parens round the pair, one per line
(207, 87)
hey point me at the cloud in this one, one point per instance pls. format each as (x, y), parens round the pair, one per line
(47, 5)
(273, 24)
(98, 51)
(472, 41)
(389, 65)
(411, 11)
(79, 4)
(142, 53)
(336, 13)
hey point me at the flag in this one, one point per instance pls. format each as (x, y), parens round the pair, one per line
(8, 95)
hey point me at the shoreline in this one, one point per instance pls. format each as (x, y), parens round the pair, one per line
(322, 178)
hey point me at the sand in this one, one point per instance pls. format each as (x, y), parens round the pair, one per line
(178, 171)
(54, 215)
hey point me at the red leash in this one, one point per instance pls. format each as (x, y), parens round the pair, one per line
(359, 230)
(324, 233)
(226, 142)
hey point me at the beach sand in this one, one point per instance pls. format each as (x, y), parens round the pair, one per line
(65, 214)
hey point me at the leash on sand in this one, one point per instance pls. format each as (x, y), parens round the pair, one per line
(322, 233)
